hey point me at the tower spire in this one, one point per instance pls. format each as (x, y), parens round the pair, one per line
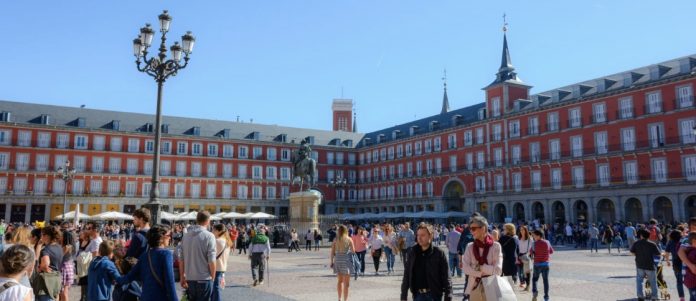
(506, 71)
(445, 100)
(355, 124)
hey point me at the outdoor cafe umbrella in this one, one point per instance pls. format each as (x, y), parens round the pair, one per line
(261, 215)
(71, 215)
(169, 216)
(233, 215)
(111, 215)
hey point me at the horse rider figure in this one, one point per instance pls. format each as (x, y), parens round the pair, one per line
(304, 165)
(303, 153)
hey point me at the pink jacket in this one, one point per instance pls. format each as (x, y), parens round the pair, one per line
(494, 266)
(360, 243)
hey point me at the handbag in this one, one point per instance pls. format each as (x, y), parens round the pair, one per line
(47, 284)
(498, 288)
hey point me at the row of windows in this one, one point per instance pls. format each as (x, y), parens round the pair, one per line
(114, 188)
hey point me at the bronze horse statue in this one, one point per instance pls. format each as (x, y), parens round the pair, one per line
(305, 169)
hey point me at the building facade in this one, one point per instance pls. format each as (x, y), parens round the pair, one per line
(620, 147)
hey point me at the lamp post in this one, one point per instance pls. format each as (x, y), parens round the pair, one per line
(160, 68)
(338, 182)
(66, 173)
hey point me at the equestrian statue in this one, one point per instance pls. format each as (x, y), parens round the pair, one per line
(303, 166)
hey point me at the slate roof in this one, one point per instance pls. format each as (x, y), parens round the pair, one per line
(206, 128)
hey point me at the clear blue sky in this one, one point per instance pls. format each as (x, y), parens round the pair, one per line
(282, 62)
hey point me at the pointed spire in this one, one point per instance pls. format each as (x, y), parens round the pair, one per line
(506, 71)
(445, 100)
(355, 124)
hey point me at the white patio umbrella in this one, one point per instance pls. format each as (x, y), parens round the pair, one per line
(71, 215)
(169, 216)
(187, 216)
(111, 215)
(261, 215)
(233, 215)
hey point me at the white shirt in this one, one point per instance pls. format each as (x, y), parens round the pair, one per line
(376, 242)
(16, 292)
(93, 245)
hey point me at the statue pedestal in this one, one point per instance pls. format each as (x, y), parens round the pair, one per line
(304, 211)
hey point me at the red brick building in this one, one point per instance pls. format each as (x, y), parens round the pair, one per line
(619, 147)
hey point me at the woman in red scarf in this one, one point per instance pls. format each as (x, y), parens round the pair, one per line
(482, 258)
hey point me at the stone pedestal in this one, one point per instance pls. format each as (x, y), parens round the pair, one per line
(304, 211)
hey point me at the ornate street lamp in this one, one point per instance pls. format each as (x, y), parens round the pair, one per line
(66, 173)
(338, 182)
(160, 68)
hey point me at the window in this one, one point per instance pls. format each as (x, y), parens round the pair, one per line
(452, 164)
(686, 130)
(480, 160)
(534, 152)
(408, 150)
(451, 141)
(149, 146)
(243, 152)
(226, 191)
(181, 148)
(95, 187)
(196, 149)
(497, 132)
(556, 182)
(517, 181)
(58, 185)
(242, 171)
(659, 170)
(227, 151)
(428, 167)
(514, 128)
(210, 190)
(690, 168)
(97, 164)
(469, 161)
(285, 154)
(42, 161)
(533, 126)
(285, 173)
(256, 172)
(516, 154)
(20, 186)
(196, 169)
(132, 166)
(212, 150)
(180, 168)
(599, 113)
(626, 107)
(195, 190)
(498, 157)
(399, 151)
(579, 176)
(115, 165)
(114, 188)
(133, 145)
(271, 154)
(45, 139)
(437, 144)
(685, 97)
(601, 143)
(536, 180)
(603, 178)
(180, 190)
(419, 168)
(147, 189)
(271, 173)
(654, 102)
(4, 161)
(467, 138)
(78, 187)
(256, 192)
(574, 118)
(24, 138)
(258, 151)
(62, 140)
(631, 172)
(329, 158)
(340, 156)
(657, 136)
(628, 139)
(576, 143)
(555, 149)
(552, 122)
(270, 192)
(409, 170)
(480, 184)
(165, 168)
(131, 187)
(479, 136)
(165, 148)
(147, 167)
(499, 183)
(22, 163)
(417, 147)
(5, 137)
(495, 106)
(116, 144)
(211, 170)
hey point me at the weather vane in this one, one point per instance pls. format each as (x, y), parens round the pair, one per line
(444, 78)
(505, 24)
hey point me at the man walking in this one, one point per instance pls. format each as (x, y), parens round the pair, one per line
(594, 238)
(541, 250)
(630, 234)
(138, 244)
(426, 274)
(197, 264)
(408, 237)
(452, 242)
(260, 249)
(645, 250)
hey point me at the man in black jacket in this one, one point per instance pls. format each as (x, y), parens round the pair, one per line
(427, 271)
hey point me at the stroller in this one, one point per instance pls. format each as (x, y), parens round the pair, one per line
(662, 290)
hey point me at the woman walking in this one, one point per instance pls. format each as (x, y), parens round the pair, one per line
(50, 261)
(341, 261)
(16, 261)
(389, 247)
(376, 244)
(223, 245)
(509, 244)
(525, 267)
(608, 237)
(155, 268)
(360, 244)
(481, 258)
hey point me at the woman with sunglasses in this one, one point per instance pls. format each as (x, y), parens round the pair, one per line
(482, 258)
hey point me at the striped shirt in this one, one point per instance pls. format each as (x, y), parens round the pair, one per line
(542, 251)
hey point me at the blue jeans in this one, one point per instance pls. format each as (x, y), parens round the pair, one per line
(361, 257)
(44, 298)
(454, 264)
(692, 294)
(652, 278)
(217, 289)
(199, 290)
(594, 244)
(426, 297)
(680, 281)
(390, 259)
(544, 271)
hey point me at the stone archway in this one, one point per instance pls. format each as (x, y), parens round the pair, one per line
(500, 213)
(538, 212)
(518, 210)
(453, 195)
(634, 210)
(581, 212)
(662, 210)
(558, 212)
(690, 206)
(606, 211)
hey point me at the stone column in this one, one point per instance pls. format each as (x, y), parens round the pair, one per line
(304, 210)
(27, 214)
(47, 212)
(568, 203)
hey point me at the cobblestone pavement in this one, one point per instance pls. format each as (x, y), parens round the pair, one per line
(305, 275)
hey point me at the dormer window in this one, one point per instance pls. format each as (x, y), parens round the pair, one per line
(164, 128)
(380, 138)
(396, 134)
(81, 122)
(457, 120)
(115, 125)
(413, 130)
(196, 131)
(310, 140)
(434, 125)
(482, 114)
(5, 116)
(44, 119)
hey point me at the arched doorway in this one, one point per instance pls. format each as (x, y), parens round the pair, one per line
(606, 211)
(500, 213)
(558, 212)
(580, 211)
(453, 195)
(538, 212)
(662, 210)
(690, 206)
(634, 210)
(518, 209)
